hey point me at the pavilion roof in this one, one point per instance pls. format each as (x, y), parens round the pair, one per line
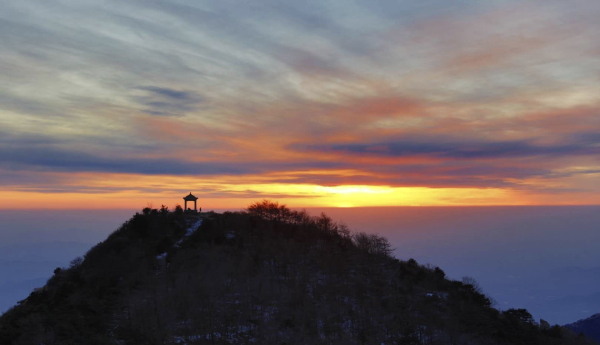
(190, 197)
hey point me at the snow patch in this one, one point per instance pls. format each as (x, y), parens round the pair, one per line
(190, 230)
(193, 227)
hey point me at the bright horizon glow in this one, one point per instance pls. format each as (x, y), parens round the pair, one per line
(294, 195)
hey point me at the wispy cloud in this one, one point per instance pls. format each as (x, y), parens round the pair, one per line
(168, 102)
(439, 94)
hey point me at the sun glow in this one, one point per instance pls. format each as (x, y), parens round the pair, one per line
(133, 191)
(352, 190)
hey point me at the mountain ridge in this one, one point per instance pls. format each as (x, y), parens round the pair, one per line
(590, 327)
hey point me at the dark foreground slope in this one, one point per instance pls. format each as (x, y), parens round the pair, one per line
(270, 276)
(590, 327)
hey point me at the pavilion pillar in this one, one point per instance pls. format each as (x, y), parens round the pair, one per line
(195, 205)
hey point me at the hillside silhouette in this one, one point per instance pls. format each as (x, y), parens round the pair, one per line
(590, 327)
(268, 275)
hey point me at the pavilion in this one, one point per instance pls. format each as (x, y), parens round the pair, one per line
(187, 198)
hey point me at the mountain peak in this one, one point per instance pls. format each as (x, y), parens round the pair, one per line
(267, 275)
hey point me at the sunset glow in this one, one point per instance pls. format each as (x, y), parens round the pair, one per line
(122, 191)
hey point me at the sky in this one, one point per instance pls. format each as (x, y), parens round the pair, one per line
(109, 104)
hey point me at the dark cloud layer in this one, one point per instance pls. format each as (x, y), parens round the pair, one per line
(67, 160)
(164, 101)
(454, 149)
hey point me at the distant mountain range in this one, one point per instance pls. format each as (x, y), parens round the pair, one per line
(590, 327)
